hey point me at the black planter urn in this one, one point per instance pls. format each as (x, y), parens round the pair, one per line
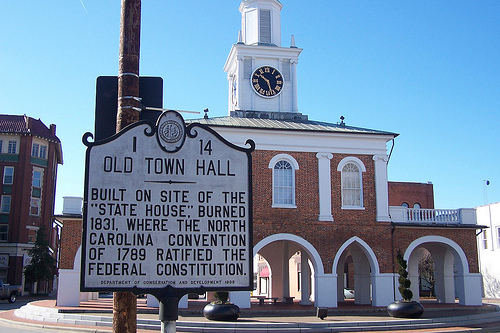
(402, 309)
(221, 312)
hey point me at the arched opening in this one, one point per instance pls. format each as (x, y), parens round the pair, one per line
(290, 263)
(451, 269)
(355, 266)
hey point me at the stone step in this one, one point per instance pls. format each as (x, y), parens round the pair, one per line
(53, 315)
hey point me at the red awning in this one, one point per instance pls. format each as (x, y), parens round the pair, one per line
(264, 273)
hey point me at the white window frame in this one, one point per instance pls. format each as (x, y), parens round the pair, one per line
(39, 150)
(35, 206)
(361, 167)
(10, 174)
(12, 147)
(294, 167)
(484, 239)
(35, 147)
(43, 152)
(40, 180)
(36, 201)
(6, 202)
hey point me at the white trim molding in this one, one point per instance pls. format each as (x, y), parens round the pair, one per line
(324, 186)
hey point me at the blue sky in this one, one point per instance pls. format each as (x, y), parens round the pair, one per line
(428, 70)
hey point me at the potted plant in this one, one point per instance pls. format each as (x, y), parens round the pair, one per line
(406, 308)
(221, 309)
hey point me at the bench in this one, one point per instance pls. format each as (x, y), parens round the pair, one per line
(288, 300)
(263, 298)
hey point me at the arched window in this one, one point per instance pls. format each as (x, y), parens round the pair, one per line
(351, 169)
(351, 185)
(284, 167)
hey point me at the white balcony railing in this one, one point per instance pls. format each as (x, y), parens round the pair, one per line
(435, 216)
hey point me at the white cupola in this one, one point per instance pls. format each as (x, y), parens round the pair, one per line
(261, 22)
(262, 74)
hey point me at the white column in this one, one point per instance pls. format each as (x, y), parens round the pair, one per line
(325, 186)
(239, 84)
(293, 74)
(240, 298)
(381, 188)
(472, 289)
(68, 291)
(326, 294)
(286, 271)
(305, 281)
(383, 288)
(413, 275)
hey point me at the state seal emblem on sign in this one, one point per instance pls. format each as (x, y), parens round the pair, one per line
(170, 131)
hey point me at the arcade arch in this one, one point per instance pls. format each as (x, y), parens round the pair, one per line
(365, 266)
(277, 250)
(451, 270)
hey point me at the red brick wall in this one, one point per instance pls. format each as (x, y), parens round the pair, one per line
(466, 238)
(411, 193)
(328, 237)
(71, 239)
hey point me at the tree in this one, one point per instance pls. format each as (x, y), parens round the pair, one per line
(404, 282)
(426, 270)
(42, 265)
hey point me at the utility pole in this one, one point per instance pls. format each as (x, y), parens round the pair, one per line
(125, 303)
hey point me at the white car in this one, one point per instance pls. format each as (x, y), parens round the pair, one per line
(348, 293)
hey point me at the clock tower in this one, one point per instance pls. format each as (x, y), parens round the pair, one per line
(262, 74)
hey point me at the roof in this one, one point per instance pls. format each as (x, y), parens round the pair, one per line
(286, 125)
(28, 126)
(24, 125)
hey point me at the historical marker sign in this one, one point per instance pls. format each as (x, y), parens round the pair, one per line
(167, 205)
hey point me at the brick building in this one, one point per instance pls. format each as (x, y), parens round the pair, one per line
(320, 190)
(30, 153)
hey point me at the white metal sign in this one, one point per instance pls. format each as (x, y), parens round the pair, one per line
(167, 205)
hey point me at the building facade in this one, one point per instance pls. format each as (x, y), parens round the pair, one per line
(321, 195)
(489, 248)
(30, 153)
(321, 189)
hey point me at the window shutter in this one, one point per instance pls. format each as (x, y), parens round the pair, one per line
(285, 69)
(265, 26)
(247, 68)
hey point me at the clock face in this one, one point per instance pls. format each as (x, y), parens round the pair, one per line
(267, 81)
(234, 96)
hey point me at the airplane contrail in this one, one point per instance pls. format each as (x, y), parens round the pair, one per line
(84, 6)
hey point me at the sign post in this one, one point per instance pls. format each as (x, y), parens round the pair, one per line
(125, 304)
(167, 211)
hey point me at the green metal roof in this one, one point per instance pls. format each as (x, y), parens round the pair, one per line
(286, 125)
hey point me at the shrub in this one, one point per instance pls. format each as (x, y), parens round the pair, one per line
(221, 297)
(404, 282)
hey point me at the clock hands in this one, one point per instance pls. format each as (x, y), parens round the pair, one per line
(265, 79)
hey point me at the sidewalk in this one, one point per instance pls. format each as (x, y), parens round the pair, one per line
(96, 316)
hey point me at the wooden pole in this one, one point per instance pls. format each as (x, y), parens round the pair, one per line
(125, 303)
(128, 71)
